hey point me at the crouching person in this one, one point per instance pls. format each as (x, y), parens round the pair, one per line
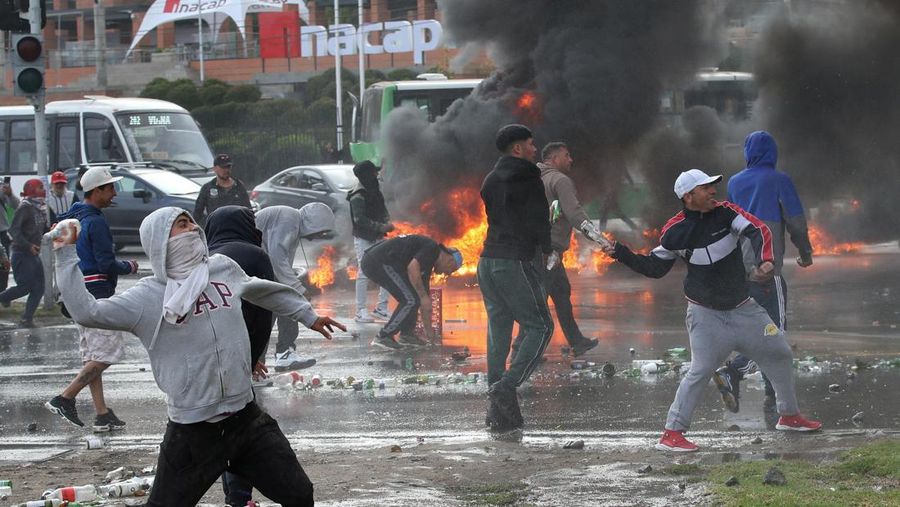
(188, 316)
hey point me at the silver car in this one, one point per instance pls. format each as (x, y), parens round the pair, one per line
(303, 184)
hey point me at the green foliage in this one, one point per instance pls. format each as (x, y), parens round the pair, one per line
(243, 93)
(880, 459)
(401, 75)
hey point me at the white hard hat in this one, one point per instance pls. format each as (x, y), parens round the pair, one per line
(96, 177)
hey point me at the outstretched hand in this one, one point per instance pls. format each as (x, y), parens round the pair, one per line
(763, 273)
(325, 326)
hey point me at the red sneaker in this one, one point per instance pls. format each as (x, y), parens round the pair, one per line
(674, 441)
(797, 423)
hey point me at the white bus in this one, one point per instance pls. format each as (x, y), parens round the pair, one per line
(103, 130)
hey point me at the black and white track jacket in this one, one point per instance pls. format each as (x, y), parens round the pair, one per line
(710, 244)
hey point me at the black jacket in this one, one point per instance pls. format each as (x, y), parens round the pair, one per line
(28, 226)
(368, 212)
(710, 244)
(517, 211)
(213, 197)
(231, 231)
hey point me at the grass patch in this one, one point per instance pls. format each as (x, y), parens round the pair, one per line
(864, 476)
(682, 469)
(500, 493)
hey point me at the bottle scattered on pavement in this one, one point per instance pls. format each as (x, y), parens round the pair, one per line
(84, 493)
(288, 380)
(55, 502)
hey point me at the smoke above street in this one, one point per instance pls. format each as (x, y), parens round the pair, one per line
(587, 73)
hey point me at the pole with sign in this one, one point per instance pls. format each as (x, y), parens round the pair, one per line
(337, 87)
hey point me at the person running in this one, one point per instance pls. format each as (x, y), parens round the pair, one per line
(403, 266)
(28, 227)
(282, 229)
(518, 226)
(99, 348)
(770, 195)
(371, 222)
(721, 315)
(188, 316)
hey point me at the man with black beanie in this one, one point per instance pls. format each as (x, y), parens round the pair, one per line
(371, 222)
(518, 225)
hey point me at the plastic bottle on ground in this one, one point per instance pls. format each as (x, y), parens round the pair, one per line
(55, 502)
(131, 487)
(5, 492)
(288, 380)
(316, 381)
(84, 493)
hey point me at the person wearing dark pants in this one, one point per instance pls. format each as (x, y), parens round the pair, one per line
(518, 225)
(769, 194)
(403, 266)
(8, 205)
(28, 227)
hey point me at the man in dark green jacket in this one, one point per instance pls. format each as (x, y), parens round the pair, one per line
(371, 222)
(518, 225)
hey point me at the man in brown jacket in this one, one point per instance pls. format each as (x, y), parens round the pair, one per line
(556, 161)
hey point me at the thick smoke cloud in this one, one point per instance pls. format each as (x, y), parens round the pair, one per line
(597, 69)
(828, 77)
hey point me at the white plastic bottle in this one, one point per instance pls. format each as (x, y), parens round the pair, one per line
(131, 487)
(41, 503)
(288, 380)
(84, 493)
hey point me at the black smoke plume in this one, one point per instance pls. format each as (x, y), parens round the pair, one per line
(597, 69)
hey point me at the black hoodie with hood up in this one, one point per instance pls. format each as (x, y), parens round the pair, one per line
(517, 211)
(231, 231)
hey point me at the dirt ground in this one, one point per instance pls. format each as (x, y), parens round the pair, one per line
(488, 472)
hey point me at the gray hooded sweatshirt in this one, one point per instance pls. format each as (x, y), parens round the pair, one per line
(282, 227)
(202, 363)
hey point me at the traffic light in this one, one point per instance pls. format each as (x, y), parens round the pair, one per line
(10, 19)
(28, 64)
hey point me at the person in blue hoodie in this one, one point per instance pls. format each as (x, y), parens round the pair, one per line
(770, 195)
(99, 347)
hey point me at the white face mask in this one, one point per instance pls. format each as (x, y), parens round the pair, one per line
(183, 253)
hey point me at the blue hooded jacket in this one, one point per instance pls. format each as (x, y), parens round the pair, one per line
(96, 250)
(770, 195)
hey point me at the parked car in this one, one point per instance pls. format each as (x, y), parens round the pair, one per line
(139, 193)
(300, 185)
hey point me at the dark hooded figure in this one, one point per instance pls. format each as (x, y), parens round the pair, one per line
(371, 222)
(231, 231)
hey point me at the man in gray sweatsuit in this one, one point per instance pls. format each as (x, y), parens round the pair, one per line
(282, 229)
(188, 317)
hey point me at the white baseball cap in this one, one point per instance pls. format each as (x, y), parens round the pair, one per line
(96, 177)
(692, 179)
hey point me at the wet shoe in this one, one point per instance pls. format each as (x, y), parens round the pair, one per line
(64, 408)
(411, 340)
(506, 402)
(387, 343)
(584, 346)
(674, 441)
(26, 323)
(797, 423)
(289, 360)
(381, 314)
(108, 422)
(364, 318)
(727, 381)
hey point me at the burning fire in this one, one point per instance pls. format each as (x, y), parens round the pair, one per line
(528, 107)
(824, 244)
(323, 275)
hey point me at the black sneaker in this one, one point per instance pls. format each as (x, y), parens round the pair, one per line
(506, 402)
(584, 346)
(64, 408)
(411, 340)
(26, 323)
(728, 382)
(108, 422)
(387, 342)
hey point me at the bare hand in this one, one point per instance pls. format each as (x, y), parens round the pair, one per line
(35, 249)
(325, 326)
(763, 273)
(804, 263)
(260, 370)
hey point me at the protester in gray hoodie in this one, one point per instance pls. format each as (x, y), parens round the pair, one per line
(188, 317)
(282, 229)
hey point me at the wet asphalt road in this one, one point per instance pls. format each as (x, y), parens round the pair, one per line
(840, 309)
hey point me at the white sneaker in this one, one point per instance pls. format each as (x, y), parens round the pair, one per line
(381, 314)
(364, 318)
(289, 360)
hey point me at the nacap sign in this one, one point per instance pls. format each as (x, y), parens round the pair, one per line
(398, 37)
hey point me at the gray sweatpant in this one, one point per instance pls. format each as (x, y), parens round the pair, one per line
(714, 334)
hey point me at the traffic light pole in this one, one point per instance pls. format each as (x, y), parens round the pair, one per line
(40, 148)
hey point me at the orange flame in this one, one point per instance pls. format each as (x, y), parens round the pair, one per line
(528, 107)
(824, 244)
(323, 275)
(352, 272)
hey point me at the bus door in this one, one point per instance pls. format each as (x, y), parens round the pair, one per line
(65, 145)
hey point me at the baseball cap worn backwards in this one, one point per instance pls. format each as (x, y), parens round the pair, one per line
(97, 177)
(692, 179)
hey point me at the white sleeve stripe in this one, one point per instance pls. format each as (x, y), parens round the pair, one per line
(664, 254)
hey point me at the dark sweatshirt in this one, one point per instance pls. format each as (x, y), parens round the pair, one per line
(231, 231)
(517, 210)
(28, 226)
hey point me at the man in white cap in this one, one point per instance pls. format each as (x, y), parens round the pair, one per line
(721, 316)
(96, 251)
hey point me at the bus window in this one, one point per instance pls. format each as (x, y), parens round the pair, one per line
(420, 102)
(101, 141)
(371, 122)
(66, 146)
(21, 146)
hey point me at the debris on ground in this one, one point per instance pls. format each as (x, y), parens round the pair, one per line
(646, 470)
(732, 481)
(574, 444)
(756, 440)
(774, 477)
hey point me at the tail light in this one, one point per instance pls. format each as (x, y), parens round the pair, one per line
(254, 195)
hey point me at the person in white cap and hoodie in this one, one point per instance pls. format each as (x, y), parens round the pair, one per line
(721, 316)
(282, 229)
(188, 317)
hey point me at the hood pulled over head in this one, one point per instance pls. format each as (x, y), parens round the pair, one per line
(315, 218)
(155, 231)
(230, 224)
(760, 150)
(367, 173)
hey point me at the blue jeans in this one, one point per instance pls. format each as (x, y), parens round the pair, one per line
(29, 275)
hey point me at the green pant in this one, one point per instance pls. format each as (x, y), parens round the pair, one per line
(513, 292)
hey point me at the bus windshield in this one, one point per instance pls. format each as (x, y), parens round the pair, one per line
(169, 139)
